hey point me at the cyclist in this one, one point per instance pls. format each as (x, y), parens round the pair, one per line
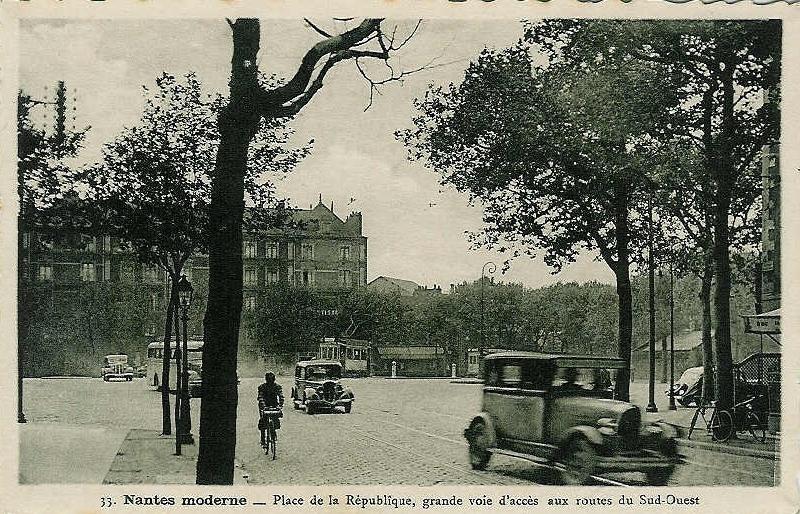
(270, 396)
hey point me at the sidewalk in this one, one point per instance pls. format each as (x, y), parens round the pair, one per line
(745, 444)
(52, 453)
(147, 457)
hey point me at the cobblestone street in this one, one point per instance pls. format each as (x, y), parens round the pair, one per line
(404, 432)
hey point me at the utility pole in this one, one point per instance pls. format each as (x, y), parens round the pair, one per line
(651, 405)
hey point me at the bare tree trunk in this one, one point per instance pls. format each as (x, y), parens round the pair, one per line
(708, 347)
(166, 422)
(238, 123)
(724, 179)
(624, 295)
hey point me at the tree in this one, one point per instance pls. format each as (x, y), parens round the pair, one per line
(41, 167)
(248, 104)
(724, 70)
(558, 158)
(153, 187)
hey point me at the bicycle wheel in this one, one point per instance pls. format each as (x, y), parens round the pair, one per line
(274, 438)
(755, 427)
(697, 414)
(721, 426)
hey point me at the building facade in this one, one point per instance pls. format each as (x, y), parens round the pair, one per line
(771, 229)
(318, 250)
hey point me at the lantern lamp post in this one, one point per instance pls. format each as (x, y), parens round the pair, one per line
(185, 293)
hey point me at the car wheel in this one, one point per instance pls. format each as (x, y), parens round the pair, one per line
(155, 381)
(580, 460)
(658, 476)
(348, 407)
(105, 378)
(310, 409)
(479, 454)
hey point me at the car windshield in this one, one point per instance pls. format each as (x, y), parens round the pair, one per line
(116, 359)
(323, 372)
(587, 379)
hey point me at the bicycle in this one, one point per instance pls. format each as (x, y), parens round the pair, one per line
(716, 423)
(723, 423)
(269, 436)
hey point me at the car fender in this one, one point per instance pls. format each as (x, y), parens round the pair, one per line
(590, 433)
(487, 421)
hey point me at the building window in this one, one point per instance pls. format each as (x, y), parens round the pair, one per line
(250, 277)
(308, 278)
(308, 251)
(151, 274)
(347, 278)
(250, 303)
(250, 249)
(45, 272)
(88, 243)
(126, 272)
(272, 276)
(88, 272)
(272, 251)
(345, 253)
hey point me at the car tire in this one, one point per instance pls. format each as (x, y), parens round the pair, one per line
(105, 378)
(348, 407)
(310, 410)
(579, 460)
(479, 454)
(658, 476)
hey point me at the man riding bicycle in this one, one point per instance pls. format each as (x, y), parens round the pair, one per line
(270, 396)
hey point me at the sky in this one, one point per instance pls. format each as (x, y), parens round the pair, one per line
(415, 227)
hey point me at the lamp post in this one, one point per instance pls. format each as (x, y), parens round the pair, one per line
(491, 267)
(185, 293)
(651, 405)
(671, 335)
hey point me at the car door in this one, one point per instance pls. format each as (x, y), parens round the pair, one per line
(515, 401)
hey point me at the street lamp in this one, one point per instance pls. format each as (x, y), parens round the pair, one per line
(491, 268)
(671, 335)
(185, 293)
(651, 406)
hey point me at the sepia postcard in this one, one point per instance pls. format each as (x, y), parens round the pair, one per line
(443, 256)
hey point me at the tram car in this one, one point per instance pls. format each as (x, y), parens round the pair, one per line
(352, 354)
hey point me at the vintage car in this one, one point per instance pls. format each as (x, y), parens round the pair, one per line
(559, 410)
(116, 366)
(317, 387)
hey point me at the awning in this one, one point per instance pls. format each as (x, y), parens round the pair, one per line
(764, 323)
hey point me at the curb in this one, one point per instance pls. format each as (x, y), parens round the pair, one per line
(734, 450)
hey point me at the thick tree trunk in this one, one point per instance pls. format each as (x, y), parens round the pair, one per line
(725, 178)
(708, 347)
(624, 295)
(166, 422)
(238, 123)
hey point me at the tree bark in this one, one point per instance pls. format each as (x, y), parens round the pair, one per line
(238, 123)
(724, 178)
(166, 422)
(624, 295)
(708, 347)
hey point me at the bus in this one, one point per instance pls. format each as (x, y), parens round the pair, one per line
(155, 355)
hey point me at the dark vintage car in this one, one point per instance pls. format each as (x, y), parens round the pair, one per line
(318, 389)
(116, 366)
(558, 410)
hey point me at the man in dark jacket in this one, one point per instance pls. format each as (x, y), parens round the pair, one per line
(270, 396)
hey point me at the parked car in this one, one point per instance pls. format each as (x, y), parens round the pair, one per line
(116, 366)
(317, 387)
(559, 410)
(688, 390)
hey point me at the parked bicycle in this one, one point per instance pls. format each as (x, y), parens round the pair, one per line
(723, 423)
